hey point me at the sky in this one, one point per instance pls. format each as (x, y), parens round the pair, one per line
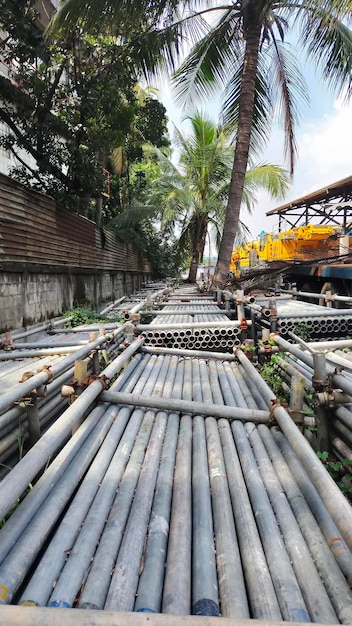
(324, 139)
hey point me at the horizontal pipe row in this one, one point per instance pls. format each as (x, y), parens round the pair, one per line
(145, 493)
(317, 326)
(148, 509)
(13, 485)
(36, 616)
(197, 330)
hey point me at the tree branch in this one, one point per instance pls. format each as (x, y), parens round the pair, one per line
(33, 172)
(28, 146)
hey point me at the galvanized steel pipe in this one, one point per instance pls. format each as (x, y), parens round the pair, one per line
(303, 482)
(338, 507)
(314, 593)
(16, 482)
(96, 526)
(195, 408)
(177, 583)
(149, 593)
(205, 594)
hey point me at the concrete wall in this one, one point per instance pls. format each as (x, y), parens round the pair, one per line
(30, 297)
(52, 260)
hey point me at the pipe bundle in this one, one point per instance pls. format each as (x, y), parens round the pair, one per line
(160, 511)
(45, 399)
(213, 339)
(340, 416)
(319, 321)
(193, 326)
(318, 326)
(184, 490)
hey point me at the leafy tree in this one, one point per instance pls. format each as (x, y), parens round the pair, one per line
(138, 224)
(149, 127)
(70, 102)
(245, 51)
(193, 195)
(190, 198)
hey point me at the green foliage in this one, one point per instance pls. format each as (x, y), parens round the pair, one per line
(162, 254)
(191, 195)
(20, 442)
(137, 227)
(302, 330)
(337, 470)
(12, 510)
(75, 100)
(310, 409)
(81, 316)
(269, 373)
(243, 51)
(151, 122)
(133, 165)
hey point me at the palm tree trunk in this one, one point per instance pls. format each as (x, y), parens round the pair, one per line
(192, 274)
(245, 121)
(200, 232)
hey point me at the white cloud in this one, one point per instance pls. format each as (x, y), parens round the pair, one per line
(325, 150)
(324, 157)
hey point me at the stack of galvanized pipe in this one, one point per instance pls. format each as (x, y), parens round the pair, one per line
(319, 321)
(191, 320)
(185, 489)
(56, 358)
(338, 406)
(193, 332)
(167, 510)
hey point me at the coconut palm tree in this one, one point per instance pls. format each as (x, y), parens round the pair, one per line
(192, 196)
(245, 50)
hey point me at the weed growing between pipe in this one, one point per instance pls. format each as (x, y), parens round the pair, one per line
(15, 506)
(339, 470)
(21, 451)
(303, 330)
(270, 374)
(81, 316)
(21, 442)
(7, 517)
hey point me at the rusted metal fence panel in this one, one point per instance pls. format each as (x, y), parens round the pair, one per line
(35, 230)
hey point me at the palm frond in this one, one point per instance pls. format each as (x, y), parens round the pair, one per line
(263, 107)
(243, 234)
(206, 66)
(273, 178)
(288, 82)
(134, 215)
(117, 160)
(328, 41)
(157, 51)
(109, 13)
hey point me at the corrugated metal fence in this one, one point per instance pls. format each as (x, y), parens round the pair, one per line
(35, 230)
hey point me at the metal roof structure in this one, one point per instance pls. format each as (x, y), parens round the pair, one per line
(331, 204)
